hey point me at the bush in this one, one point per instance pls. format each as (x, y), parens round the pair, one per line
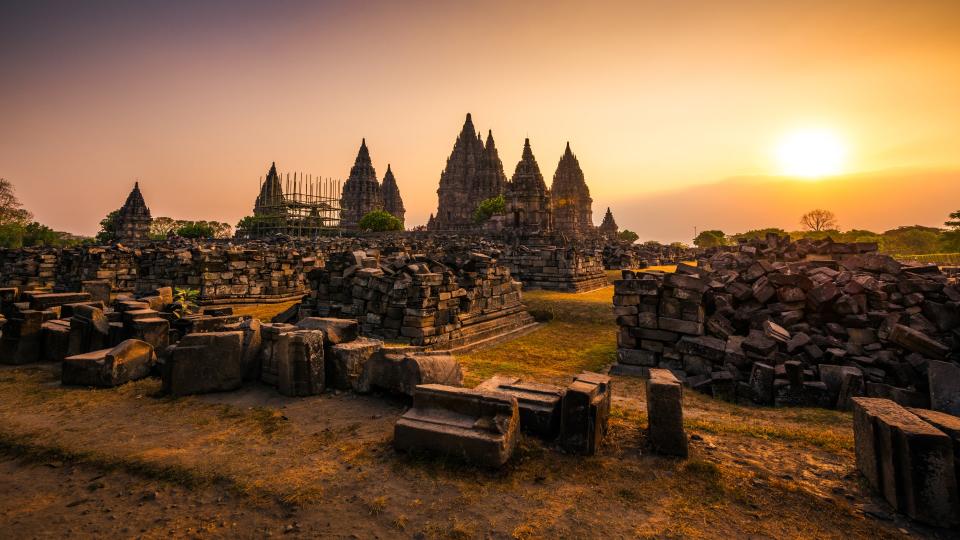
(489, 208)
(628, 236)
(380, 221)
(709, 239)
(196, 229)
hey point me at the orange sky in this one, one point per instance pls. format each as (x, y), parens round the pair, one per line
(197, 98)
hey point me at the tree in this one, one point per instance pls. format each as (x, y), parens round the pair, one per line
(709, 239)
(757, 234)
(196, 229)
(489, 208)
(628, 236)
(36, 234)
(819, 220)
(951, 238)
(108, 228)
(11, 209)
(161, 227)
(380, 221)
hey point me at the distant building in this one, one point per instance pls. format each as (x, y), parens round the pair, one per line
(133, 219)
(390, 192)
(361, 191)
(570, 199)
(609, 226)
(527, 198)
(309, 207)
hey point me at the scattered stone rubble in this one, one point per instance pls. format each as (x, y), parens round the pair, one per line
(556, 268)
(796, 323)
(911, 456)
(620, 255)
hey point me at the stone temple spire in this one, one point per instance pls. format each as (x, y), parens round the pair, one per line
(455, 209)
(570, 196)
(490, 179)
(609, 226)
(133, 219)
(392, 202)
(271, 193)
(361, 192)
(527, 197)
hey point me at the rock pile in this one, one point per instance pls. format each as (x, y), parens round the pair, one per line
(794, 323)
(556, 268)
(418, 300)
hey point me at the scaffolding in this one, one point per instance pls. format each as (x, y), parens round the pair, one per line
(307, 207)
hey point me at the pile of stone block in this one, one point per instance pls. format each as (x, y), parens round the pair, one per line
(911, 456)
(553, 268)
(795, 323)
(417, 300)
(480, 425)
(623, 256)
(29, 268)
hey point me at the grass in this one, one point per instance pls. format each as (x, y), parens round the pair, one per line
(264, 312)
(581, 336)
(942, 259)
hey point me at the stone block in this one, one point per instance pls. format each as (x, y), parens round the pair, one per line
(21, 342)
(335, 331)
(762, 383)
(403, 373)
(833, 376)
(908, 460)
(472, 425)
(539, 404)
(252, 345)
(944, 378)
(99, 291)
(89, 330)
(153, 330)
(665, 414)
(918, 342)
(56, 340)
(585, 413)
(129, 361)
(206, 362)
(347, 363)
(300, 366)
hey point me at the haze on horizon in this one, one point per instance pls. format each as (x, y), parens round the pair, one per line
(659, 100)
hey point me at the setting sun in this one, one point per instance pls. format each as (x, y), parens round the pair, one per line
(811, 153)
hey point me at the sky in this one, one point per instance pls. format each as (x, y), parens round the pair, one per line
(196, 99)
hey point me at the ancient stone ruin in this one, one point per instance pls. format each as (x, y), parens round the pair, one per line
(133, 219)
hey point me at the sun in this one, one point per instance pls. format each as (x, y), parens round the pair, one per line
(811, 153)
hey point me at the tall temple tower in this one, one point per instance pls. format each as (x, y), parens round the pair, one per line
(609, 226)
(456, 206)
(361, 191)
(490, 179)
(527, 197)
(270, 200)
(570, 197)
(133, 220)
(392, 201)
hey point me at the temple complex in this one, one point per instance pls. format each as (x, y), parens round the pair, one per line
(133, 219)
(392, 201)
(570, 198)
(608, 227)
(527, 198)
(361, 191)
(307, 207)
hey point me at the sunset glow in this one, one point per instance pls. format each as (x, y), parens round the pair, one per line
(811, 153)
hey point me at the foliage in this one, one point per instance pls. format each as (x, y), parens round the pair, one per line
(679, 245)
(196, 229)
(161, 227)
(819, 220)
(757, 234)
(380, 221)
(184, 302)
(911, 240)
(709, 239)
(628, 236)
(108, 228)
(489, 208)
(11, 209)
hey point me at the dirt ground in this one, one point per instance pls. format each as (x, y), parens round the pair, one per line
(128, 462)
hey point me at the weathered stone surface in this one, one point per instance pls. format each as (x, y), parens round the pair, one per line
(300, 363)
(89, 330)
(348, 366)
(403, 373)
(20, 342)
(252, 345)
(56, 340)
(153, 330)
(585, 412)
(128, 361)
(539, 403)
(473, 425)
(335, 331)
(206, 362)
(916, 341)
(944, 380)
(665, 414)
(762, 383)
(908, 460)
(269, 339)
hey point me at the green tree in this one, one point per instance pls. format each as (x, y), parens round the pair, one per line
(380, 221)
(36, 234)
(108, 228)
(11, 209)
(911, 240)
(489, 208)
(709, 239)
(951, 238)
(196, 229)
(757, 234)
(162, 226)
(628, 236)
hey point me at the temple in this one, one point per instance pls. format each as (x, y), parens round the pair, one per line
(392, 201)
(457, 181)
(528, 210)
(608, 227)
(296, 205)
(361, 191)
(133, 219)
(570, 198)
